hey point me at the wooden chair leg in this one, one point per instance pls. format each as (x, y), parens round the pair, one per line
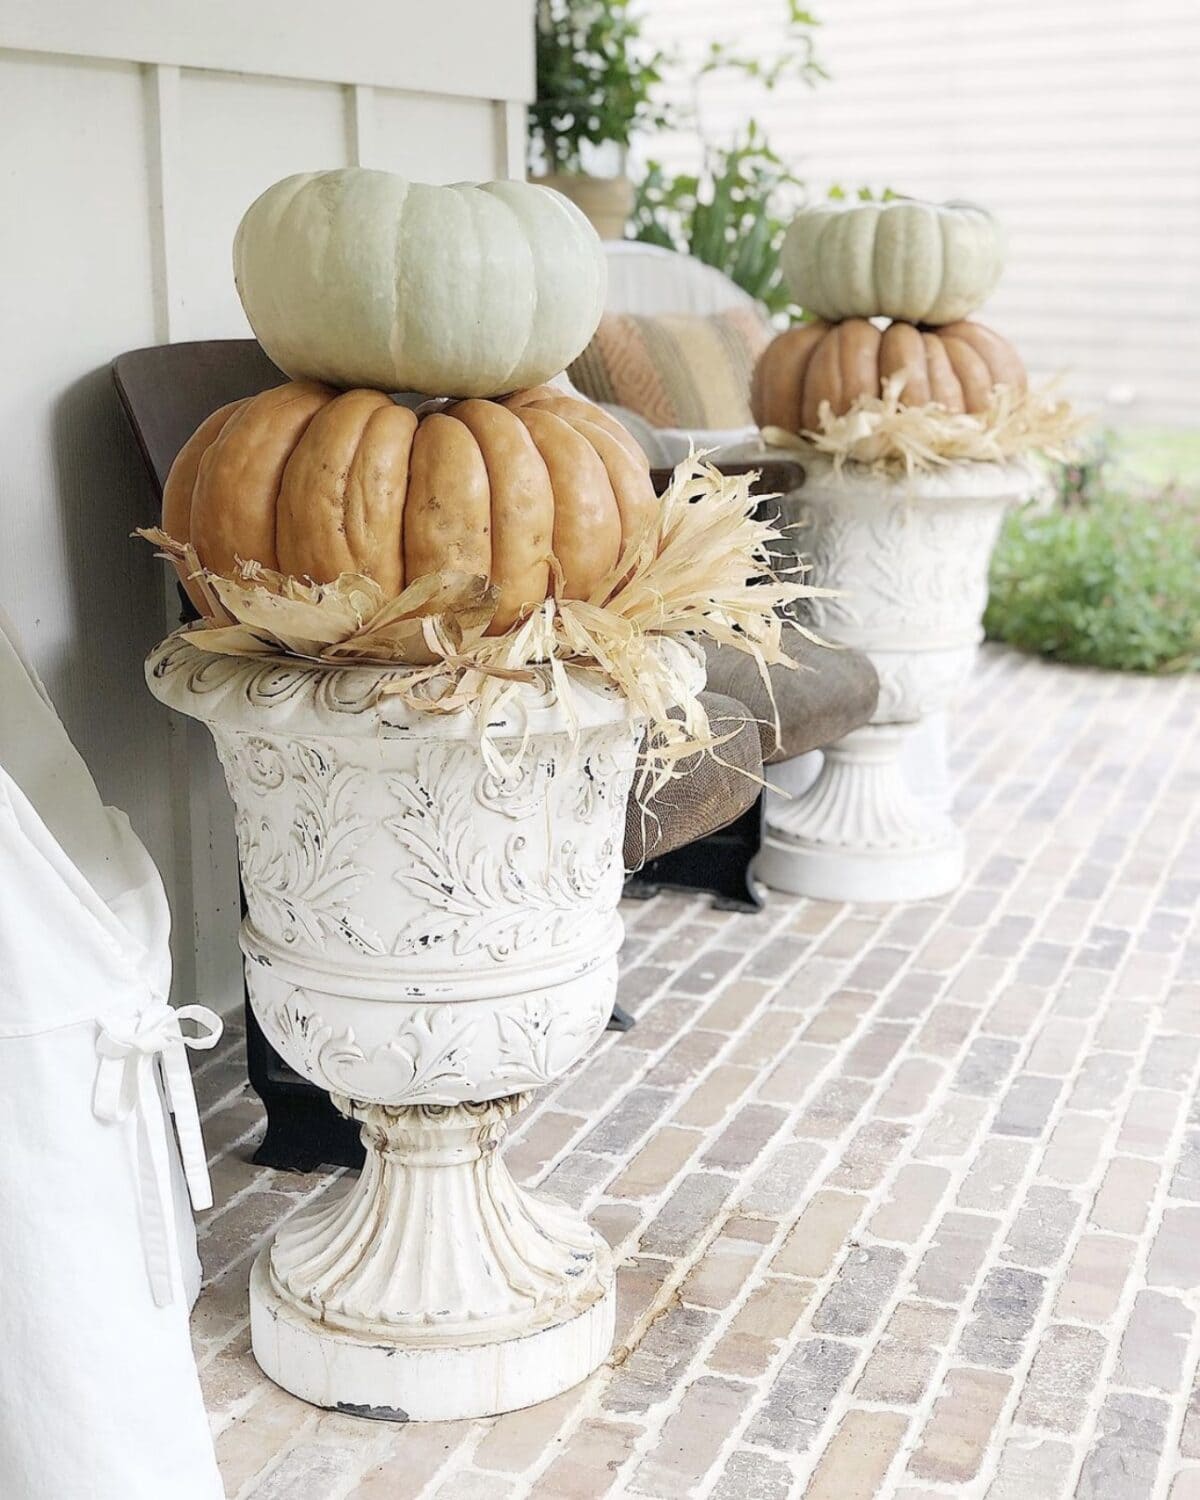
(304, 1131)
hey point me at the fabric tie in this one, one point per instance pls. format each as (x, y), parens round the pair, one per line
(133, 1051)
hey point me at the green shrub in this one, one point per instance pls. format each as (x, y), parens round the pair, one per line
(1111, 583)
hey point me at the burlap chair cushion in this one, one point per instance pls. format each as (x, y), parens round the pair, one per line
(833, 691)
(676, 369)
(709, 790)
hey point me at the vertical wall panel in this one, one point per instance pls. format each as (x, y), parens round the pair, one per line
(77, 287)
(238, 135)
(124, 181)
(431, 138)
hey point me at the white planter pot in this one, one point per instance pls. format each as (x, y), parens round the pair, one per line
(606, 201)
(910, 557)
(427, 940)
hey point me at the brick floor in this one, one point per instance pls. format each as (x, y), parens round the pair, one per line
(905, 1199)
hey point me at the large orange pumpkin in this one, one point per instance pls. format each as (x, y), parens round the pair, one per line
(958, 366)
(314, 482)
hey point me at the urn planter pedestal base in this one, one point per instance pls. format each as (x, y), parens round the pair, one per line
(403, 1383)
(859, 832)
(909, 559)
(436, 1288)
(431, 933)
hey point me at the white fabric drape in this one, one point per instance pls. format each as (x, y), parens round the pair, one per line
(99, 1398)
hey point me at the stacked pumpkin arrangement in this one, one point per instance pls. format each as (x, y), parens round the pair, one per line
(490, 520)
(327, 475)
(433, 634)
(915, 434)
(925, 268)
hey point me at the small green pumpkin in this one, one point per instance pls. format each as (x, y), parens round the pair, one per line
(929, 263)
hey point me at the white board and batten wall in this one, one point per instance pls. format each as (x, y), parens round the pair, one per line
(133, 134)
(1077, 121)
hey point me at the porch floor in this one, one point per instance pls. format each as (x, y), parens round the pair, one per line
(906, 1200)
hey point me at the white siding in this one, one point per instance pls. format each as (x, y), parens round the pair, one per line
(1077, 121)
(132, 136)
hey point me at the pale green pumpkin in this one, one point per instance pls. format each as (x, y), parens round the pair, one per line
(928, 263)
(360, 278)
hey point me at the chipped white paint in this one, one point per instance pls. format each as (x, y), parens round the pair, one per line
(436, 1288)
(430, 933)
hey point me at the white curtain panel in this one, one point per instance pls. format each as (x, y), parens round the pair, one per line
(99, 1398)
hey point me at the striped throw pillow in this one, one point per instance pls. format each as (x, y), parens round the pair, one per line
(678, 369)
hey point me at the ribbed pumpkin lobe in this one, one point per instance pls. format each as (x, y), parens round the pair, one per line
(317, 482)
(959, 367)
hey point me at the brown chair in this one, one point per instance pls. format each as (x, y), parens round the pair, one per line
(168, 391)
(705, 828)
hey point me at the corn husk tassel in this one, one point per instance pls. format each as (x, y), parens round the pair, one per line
(883, 434)
(701, 571)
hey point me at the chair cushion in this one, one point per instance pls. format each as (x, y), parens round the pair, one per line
(832, 691)
(677, 369)
(708, 791)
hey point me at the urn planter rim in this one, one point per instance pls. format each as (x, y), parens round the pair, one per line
(967, 482)
(276, 695)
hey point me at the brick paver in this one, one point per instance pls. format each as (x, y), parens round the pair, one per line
(906, 1200)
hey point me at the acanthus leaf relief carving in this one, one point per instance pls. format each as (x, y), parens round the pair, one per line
(299, 864)
(429, 1053)
(521, 791)
(902, 565)
(439, 1051)
(603, 778)
(539, 1041)
(915, 684)
(500, 901)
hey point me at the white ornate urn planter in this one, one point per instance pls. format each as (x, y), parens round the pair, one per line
(427, 939)
(910, 557)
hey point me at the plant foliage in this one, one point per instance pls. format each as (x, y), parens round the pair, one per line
(798, 60)
(596, 82)
(732, 216)
(1112, 582)
(734, 213)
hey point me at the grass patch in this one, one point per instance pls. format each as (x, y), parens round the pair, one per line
(1112, 581)
(1152, 457)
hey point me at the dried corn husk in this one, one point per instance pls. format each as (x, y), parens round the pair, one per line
(883, 434)
(702, 570)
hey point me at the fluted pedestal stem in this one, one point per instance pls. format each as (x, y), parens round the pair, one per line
(436, 1287)
(860, 833)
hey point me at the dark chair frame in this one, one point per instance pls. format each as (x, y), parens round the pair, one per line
(721, 863)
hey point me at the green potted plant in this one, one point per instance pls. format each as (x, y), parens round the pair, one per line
(732, 215)
(596, 86)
